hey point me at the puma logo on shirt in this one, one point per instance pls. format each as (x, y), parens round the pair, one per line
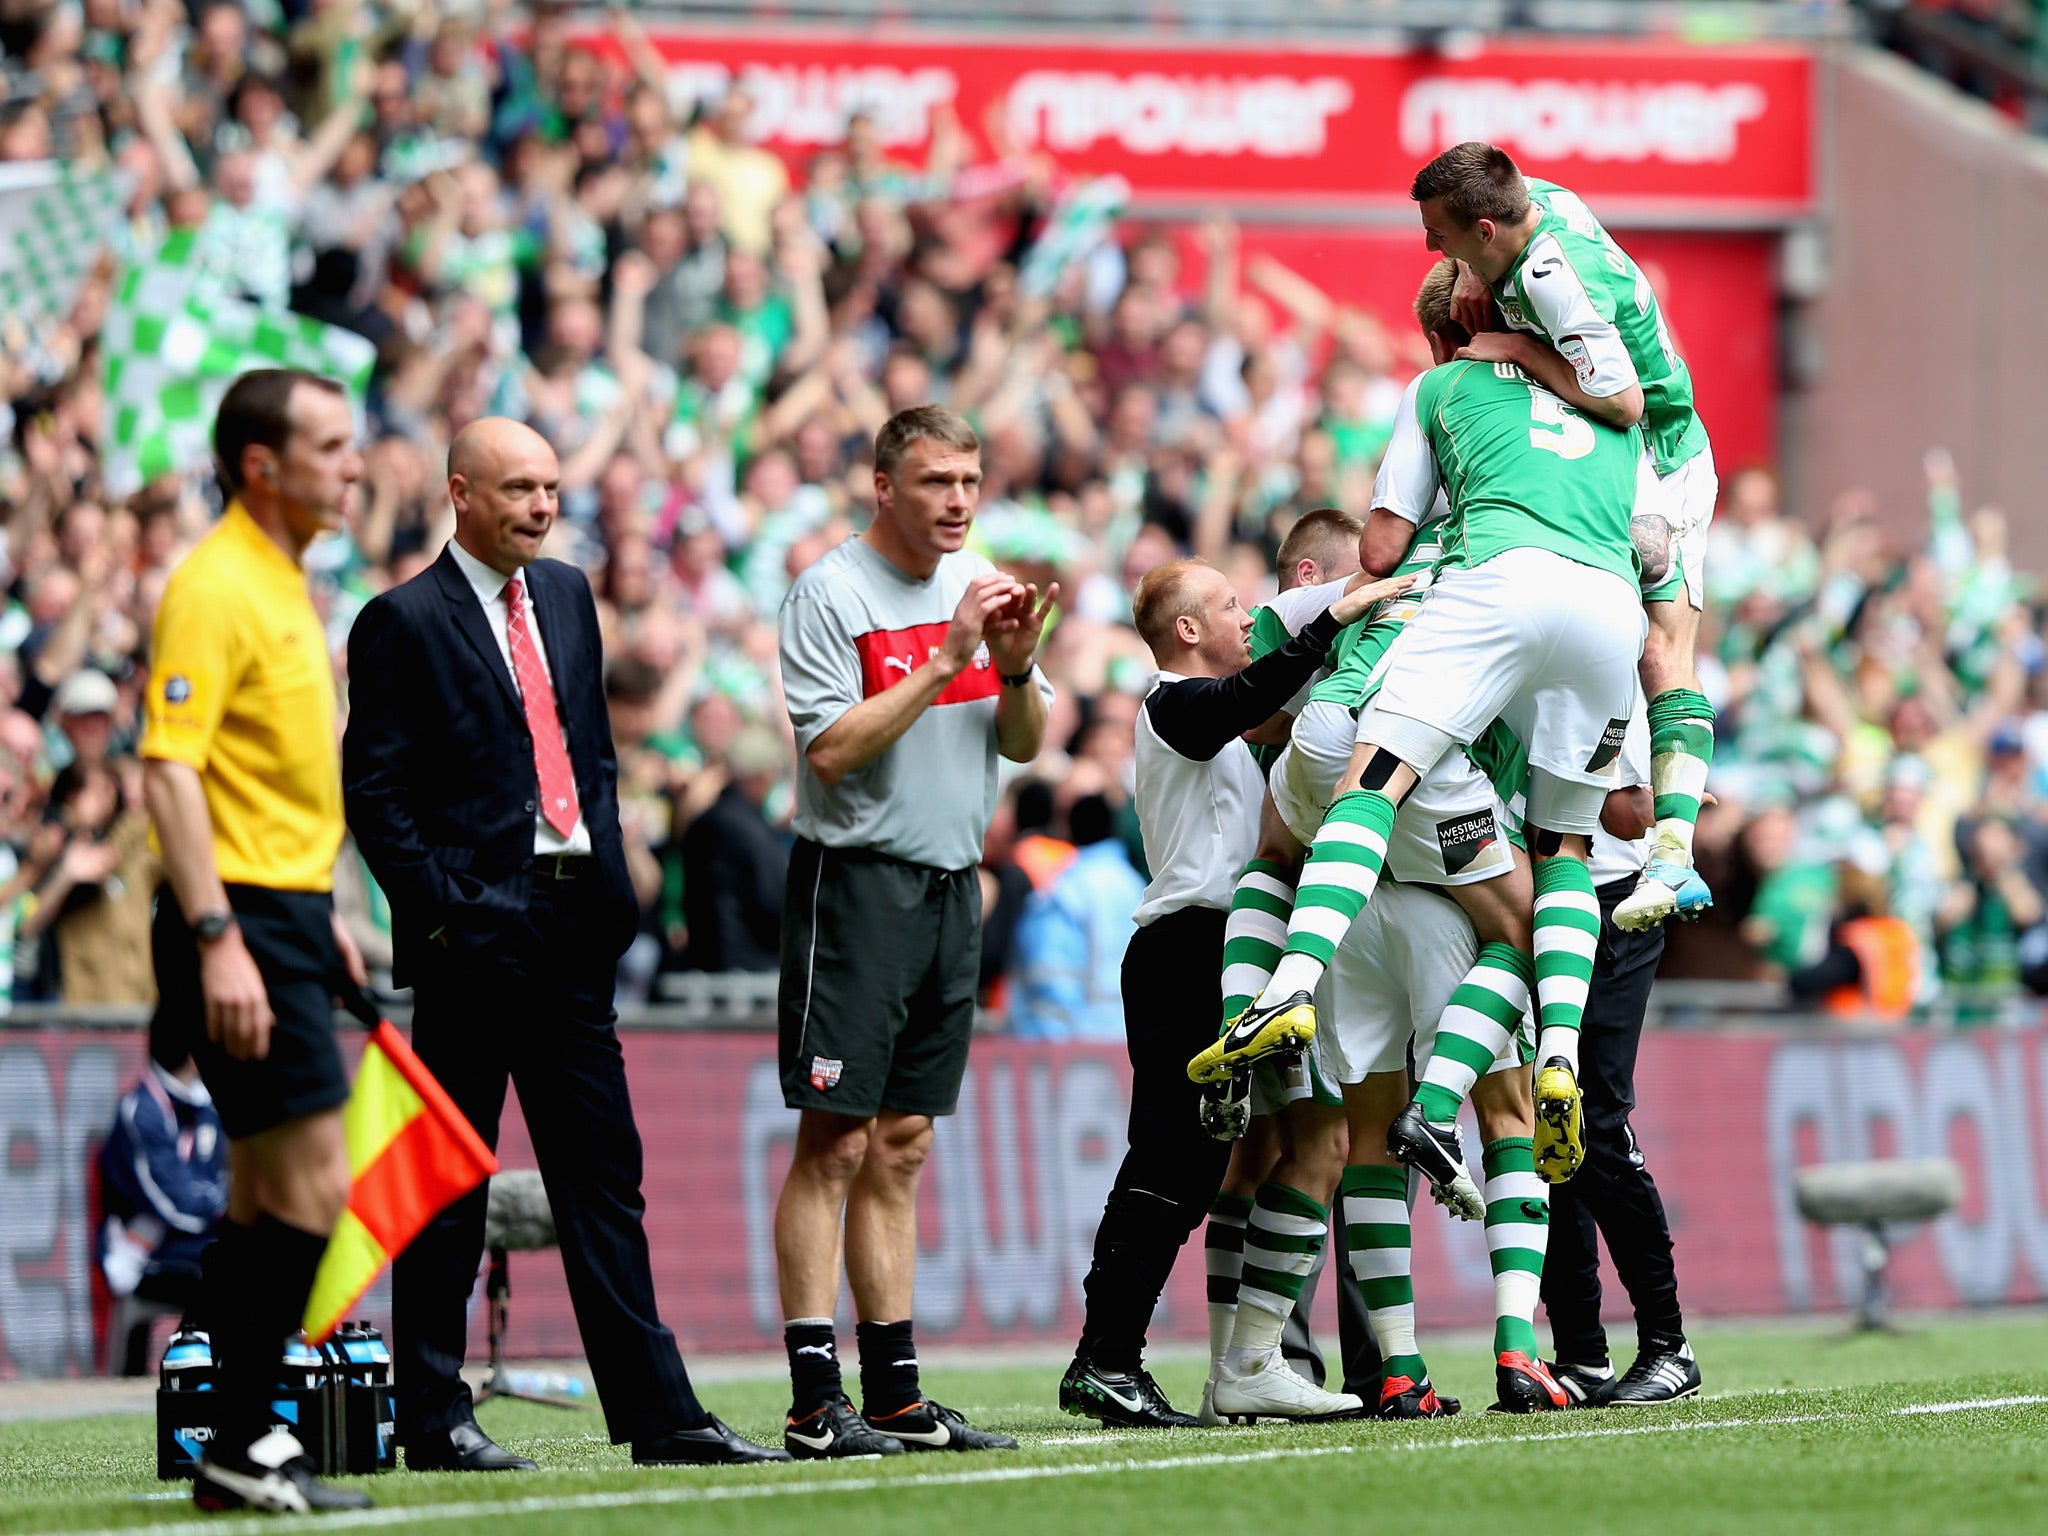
(887, 656)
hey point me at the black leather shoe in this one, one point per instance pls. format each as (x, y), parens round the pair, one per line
(465, 1448)
(711, 1445)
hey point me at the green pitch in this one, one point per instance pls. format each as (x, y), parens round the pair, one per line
(1804, 1431)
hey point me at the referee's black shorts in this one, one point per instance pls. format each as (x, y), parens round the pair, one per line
(290, 935)
(879, 964)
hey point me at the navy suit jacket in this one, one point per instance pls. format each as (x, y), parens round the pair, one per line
(437, 762)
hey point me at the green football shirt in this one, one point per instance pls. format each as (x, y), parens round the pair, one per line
(1354, 671)
(1573, 286)
(1269, 631)
(1355, 654)
(1273, 625)
(1523, 470)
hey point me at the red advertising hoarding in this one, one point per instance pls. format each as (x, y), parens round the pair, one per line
(1648, 132)
(1717, 290)
(1661, 138)
(1018, 1178)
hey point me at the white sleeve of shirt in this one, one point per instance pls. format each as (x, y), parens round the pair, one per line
(1408, 482)
(1304, 605)
(1564, 311)
(821, 677)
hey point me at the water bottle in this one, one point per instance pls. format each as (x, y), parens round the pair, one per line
(184, 1404)
(369, 1358)
(370, 1413)
(187, 1363)
(304, 1370)
(303, 1403)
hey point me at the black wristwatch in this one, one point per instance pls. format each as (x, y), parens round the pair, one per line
(209, 927)
(1016, 679)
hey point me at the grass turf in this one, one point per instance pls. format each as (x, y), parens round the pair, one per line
(1803, 1430)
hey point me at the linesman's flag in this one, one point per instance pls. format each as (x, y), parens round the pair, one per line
(410, 1154)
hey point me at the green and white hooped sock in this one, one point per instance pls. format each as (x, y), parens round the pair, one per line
(1372, 1202)
(1280, 1247)
(1223, 1251)
(1567, 932)
(1681, 752)
(1255, 934)
(1476, 1025)
(1517, 1235)
(1342, 871)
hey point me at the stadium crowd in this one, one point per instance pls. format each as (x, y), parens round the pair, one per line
(527, 228)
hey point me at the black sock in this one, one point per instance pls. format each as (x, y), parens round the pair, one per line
(199, 1311)
(262, 1275)
(223, 1289)
(813, 1364)
(888, 1368)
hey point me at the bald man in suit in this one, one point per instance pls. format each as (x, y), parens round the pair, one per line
(483, 790)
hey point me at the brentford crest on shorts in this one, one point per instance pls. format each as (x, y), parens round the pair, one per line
(825, 1072)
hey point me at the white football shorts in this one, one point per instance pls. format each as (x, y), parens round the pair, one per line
(1393, 976)
(1451, 830)
(1533, 639)
(1685, 500)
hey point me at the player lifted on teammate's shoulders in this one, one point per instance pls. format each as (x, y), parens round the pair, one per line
(1584, 322)
(1534, 621)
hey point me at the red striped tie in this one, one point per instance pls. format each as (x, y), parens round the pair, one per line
(558, 806)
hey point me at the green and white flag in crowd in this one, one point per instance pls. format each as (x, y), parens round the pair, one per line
(172, 344)
(54, 223)
(1081, 220)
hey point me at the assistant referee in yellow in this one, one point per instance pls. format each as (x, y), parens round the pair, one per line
(244, 785)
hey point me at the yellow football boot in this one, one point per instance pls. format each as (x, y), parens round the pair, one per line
(1254, 1035)
(1560, 1132)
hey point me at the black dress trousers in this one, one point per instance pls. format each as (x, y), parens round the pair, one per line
(534, 1006)
(1612, 1196)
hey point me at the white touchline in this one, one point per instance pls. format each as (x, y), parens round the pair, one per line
(496, 1509)
(1982, 1402)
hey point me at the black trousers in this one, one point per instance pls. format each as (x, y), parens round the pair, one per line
(1173, 999)
(1612, 1196)
(536, 1009)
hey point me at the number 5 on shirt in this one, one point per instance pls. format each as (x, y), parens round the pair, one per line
(1559, 429)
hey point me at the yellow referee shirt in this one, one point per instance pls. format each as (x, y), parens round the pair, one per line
(241, 689)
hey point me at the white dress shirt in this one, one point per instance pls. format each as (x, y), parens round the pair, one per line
(489, 586)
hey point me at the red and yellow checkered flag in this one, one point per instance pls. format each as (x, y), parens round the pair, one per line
(410, 1154)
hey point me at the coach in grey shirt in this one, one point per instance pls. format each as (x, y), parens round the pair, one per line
(907, 665)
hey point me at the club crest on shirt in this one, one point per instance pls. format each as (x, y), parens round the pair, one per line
(980, 662)
(825, 1073)
(1464, 838)
(177, 689)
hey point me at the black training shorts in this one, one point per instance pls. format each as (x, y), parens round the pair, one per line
(290, 935)
(879, 964)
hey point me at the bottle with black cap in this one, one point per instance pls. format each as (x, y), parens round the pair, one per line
(370, 1411)
(184, 1405)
